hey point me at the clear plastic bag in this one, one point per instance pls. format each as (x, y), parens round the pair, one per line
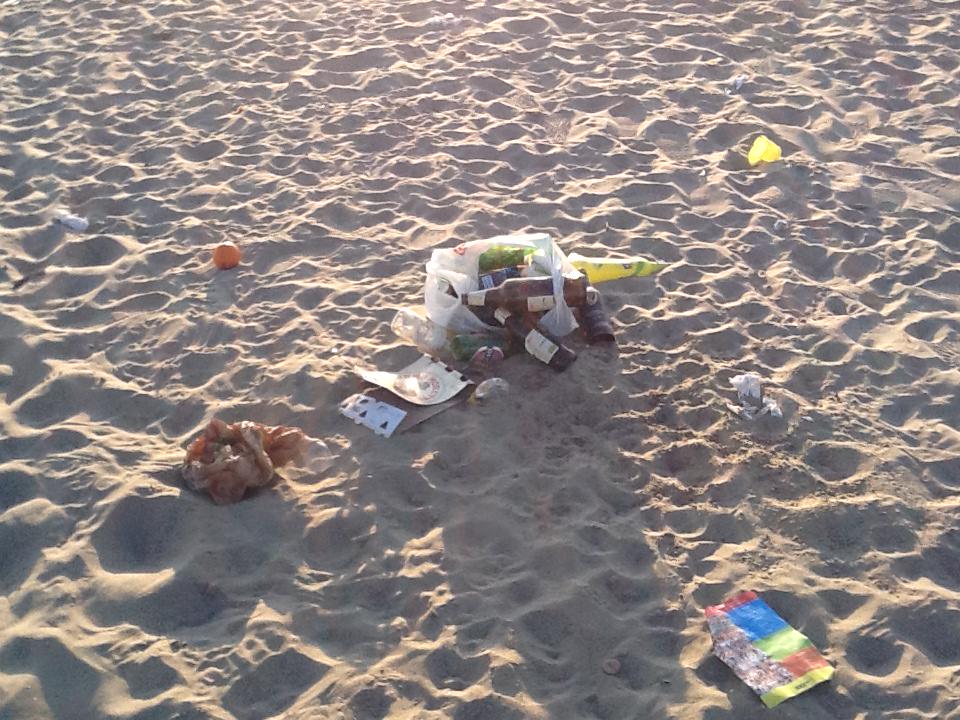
(457, 268)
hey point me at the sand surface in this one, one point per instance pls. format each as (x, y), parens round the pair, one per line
(484, 565)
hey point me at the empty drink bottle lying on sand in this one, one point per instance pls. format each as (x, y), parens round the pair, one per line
(433, 339)
(424, 334)
(537, 341)
(596, 325)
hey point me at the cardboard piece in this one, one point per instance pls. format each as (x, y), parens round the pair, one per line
(424, 382)
(380, 417)
(415, 414)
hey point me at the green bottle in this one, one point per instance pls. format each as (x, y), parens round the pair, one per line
(501, 256)
(462, 347)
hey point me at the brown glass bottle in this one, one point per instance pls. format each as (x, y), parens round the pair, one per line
(519, 295)
(537, 341)
(596, 324)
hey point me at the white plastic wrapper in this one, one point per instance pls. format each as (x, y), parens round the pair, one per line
(457, 268)
(747, 386)
(753, 404)
(736, 84)
(72, 222)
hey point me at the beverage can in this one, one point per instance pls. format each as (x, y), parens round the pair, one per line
(486, 358)
(492, 279)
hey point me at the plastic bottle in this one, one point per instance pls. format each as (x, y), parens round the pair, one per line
(531, 294)
(315, 456)
(538, 342)
(501, 256)
(421, 332)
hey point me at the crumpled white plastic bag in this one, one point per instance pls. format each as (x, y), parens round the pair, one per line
(457, 268)
(753, 404)
(747, 386)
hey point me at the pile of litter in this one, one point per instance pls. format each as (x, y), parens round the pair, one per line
(485, 301)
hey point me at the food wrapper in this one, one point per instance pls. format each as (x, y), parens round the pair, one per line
(226, 460)
(774, 659)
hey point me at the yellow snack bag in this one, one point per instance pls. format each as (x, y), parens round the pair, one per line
(600, 270)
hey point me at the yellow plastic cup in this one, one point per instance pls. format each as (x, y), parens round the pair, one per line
(764, 150)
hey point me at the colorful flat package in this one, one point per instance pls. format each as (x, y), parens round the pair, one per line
(774, 659)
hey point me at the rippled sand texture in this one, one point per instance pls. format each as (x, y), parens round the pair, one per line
(485, 565)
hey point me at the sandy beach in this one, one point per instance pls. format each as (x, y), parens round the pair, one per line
(487, 563)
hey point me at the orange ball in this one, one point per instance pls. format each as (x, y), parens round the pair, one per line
(226, 255)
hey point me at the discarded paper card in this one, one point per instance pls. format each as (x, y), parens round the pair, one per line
(425, 382)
